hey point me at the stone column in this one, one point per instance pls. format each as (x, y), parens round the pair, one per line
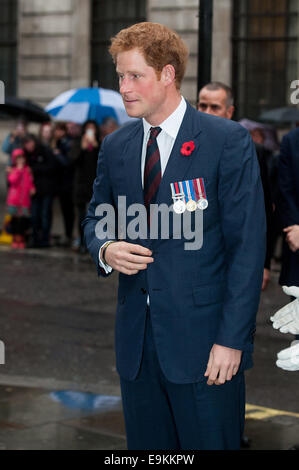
(182, 16)
(221, 42)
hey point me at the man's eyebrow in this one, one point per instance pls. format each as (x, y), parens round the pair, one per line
(130, 71)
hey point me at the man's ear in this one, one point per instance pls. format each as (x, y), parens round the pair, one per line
(168, 74)
(231, 111)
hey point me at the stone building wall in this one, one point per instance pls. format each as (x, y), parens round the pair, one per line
(54, 43)
(53, 52)
(182, 16)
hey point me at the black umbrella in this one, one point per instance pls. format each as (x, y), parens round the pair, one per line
(23, 108)
(284, 114)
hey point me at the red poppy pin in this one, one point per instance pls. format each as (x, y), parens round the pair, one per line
(187, 148)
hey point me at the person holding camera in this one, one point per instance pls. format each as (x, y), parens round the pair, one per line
(85, 152)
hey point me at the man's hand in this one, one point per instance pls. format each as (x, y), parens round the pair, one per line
(266, 278)
(288, 359)
(292, 237)
(286, 320)
(128, 258)
(223, 364)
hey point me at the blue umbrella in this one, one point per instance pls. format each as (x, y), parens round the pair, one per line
(80, 104)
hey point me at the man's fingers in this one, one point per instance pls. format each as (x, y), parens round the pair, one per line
(128, 258)
(231, 372)
(209, 366)
(138, 249)
(222, 376)
(213, 375)
(138, 259)
(129, 272)
(130, 268)
(133, 262)
(223, 364)
(212, 370)
(288, 229)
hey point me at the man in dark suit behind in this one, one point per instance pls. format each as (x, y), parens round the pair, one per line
(216, 98)
(185, 318)
(288, 207)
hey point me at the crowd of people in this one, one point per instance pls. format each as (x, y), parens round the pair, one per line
(60, 162)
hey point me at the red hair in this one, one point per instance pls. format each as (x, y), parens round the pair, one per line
(159, 45)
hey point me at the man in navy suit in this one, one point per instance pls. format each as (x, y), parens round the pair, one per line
(185, 318)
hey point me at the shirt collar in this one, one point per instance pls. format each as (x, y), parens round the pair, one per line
(172, 124)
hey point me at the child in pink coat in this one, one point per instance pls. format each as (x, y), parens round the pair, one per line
(21, 188)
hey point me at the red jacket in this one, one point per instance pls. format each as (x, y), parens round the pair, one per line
(20, 185)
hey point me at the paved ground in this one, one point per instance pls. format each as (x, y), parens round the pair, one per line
(59, 388)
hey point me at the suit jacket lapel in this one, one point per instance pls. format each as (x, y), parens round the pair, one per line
(178, 164)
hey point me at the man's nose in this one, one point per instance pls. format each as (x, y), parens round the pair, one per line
(124, 86)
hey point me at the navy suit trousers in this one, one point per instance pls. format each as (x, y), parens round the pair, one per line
(162, 415)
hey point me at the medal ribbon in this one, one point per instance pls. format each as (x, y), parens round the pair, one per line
(191, 190)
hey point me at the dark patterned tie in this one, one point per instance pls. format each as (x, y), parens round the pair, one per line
(152, 169)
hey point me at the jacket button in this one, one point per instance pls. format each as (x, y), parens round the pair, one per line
(143, 290)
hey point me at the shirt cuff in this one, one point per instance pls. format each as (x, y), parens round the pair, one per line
(103, 265)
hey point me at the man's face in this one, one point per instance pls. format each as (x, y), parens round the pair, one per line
(46, 132)
(29, 146)
(215, 102)
(21, 129)
(73, 129)
(143, 94)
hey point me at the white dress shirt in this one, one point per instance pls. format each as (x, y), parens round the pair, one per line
(165, 140)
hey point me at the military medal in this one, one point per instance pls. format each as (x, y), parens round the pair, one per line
(191, 204)
(200, 191)
(189, 194)
(202, 203)
(179, 205)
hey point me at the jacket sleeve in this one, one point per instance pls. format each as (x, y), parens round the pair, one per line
(243, 225)
(262, 155)
(99, 224)
(15, 176)
(7, 146)
(286, 203)
(31, 180)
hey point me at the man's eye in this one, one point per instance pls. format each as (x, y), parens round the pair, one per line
(202, 106)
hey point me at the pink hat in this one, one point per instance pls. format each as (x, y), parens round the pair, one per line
(15, 154)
